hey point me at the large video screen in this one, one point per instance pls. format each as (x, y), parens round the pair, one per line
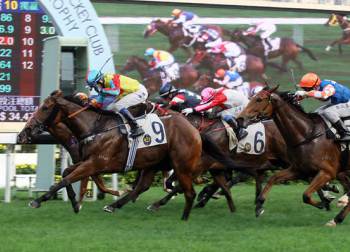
(303, 31)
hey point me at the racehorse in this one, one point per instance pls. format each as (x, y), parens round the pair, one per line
(254, 66)
(152, 79)
(344, 25)
(104, 149)
(175, 34)
(206, 80)
(288, 50)
(274, 157)
(311, 152)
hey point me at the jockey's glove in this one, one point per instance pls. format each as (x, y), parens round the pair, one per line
(187, 111)
(301, 93)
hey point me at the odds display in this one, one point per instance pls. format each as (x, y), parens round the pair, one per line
(23, 26)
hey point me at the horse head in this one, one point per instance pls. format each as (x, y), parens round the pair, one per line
(45, 114)
(135, 63)
(205, 80)
(154, 26)
(259, 107)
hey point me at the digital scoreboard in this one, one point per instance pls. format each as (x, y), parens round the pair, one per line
(23, 26)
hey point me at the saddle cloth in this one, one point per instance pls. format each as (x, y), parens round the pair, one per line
(275, 43)
(154, 131)
(254, 143)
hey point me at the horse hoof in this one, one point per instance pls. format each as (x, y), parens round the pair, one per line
(34, 204)
(331, 223)
(259, 212)
(108, 209)
(199, 205)
(328, 48)
(153, 208)
(77, 208)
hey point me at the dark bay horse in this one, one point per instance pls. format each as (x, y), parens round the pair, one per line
(255, 68)
(152, 79)
(344, 24)
(288, 50)
(175, 33)
(311, 152)
(104, 149)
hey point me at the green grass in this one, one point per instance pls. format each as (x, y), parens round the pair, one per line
(316, 38)
(287, 225)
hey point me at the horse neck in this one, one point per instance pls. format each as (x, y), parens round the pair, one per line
(163, 28)
(81, 124)
(142, 68)
(294, 125)
(61, 132)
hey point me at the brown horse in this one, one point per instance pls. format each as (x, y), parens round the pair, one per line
(175, 34)
(344, 25)
(288, 50)
(152, 79)
(104, 149)
(255, 68)
(311, 152)
(206, 80)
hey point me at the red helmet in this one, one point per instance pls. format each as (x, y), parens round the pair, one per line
(310, 80)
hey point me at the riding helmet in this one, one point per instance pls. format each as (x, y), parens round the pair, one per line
(309, 80)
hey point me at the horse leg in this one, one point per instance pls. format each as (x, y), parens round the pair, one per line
(298, 63)
(341, 215)
(99, 182)
(143, 184)
(220, 179)
(329, 47)
(340, 50)
(284, 175)
(83, 188)
(70, 175)
(259, 178)
(189, 193)
(156, 205)
(316, 184)
(285, 60)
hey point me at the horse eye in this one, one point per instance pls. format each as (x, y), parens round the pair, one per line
(258, 99)
(44, 108)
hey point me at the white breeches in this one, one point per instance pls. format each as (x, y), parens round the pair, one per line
(129, 100)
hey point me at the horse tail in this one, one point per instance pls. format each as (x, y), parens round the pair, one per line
(212, 149)
(308, 52)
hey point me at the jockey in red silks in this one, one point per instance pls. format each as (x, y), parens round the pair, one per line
(230, 101)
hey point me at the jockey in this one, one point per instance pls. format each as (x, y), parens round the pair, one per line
(228, 48)
(165, 62)
(210, 37)
(179, 99)
(338, 94)
(265, 28)
(231, 101)
(185, 18)
(231, 80)
(125, 91)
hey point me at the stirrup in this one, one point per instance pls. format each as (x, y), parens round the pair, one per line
(138, 131)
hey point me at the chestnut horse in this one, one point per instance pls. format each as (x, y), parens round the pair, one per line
(152, 79)
(255, 68)
(311, 152)
(288, 50)
(175, 34)
(104, 149)
(344, 25)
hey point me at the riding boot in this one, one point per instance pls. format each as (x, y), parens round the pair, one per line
(239, 131)
(342, 130)
(136, 130)
(268, 43)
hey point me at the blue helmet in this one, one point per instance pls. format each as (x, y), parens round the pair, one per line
(166, 90)
(149, 51)
(93, 77)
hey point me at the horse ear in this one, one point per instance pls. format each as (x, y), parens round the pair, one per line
(56, 93)
(272, 90)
